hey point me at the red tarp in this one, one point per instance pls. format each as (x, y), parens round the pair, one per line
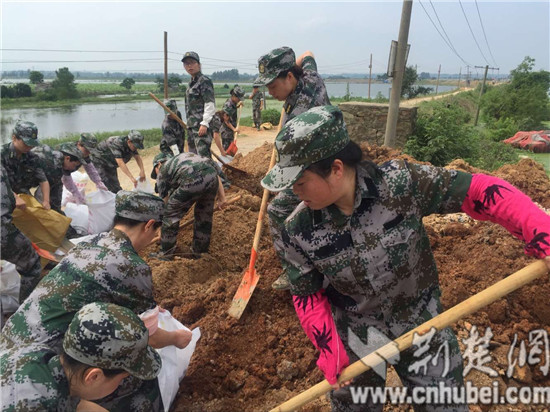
(535, 141)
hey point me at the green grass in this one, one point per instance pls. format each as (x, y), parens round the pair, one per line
(151, 137)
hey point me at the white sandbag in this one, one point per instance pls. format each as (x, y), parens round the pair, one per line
(174, 361)
(80, 216)
(144, 186)
(10, 282)
(80, 180)
(101, 205)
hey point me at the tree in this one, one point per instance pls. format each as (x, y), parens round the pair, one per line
(174, 82)
(409, 79)
(63, 87)
(36, 77)
(127, 83)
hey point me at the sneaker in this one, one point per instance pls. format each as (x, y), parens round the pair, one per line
(282, 282)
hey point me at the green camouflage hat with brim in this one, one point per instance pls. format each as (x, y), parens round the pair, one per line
(70, 149)
(138, 205)
(171, 104)
(270, 65)
(256, 84)
(238, 92)
(190, 55)
(306, 139)
(108, 336)
(27, 132)
(159, 158)
(88, 140)
(136, 138)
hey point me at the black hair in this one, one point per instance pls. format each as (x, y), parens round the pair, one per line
(296, 70)
(130, 223)
(351, 155)
(71, 157)
(76, 369)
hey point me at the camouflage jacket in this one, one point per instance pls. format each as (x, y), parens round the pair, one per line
(216, 124)
(199, 92)
(309, 92)
(7, 199)
(51, 162)
(19, 170)
(257, 100)
(33, 380)
(378, 261)
(173, 133)
(105, 269)
(115, 147)
(187, 169)
(231, 109)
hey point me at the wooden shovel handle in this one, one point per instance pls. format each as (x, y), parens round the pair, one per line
(441, 321)
(168, 110)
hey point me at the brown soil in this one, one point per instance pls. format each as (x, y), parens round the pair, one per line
(265, 358)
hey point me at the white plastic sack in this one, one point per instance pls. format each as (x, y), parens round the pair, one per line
(144, 186)
(10, 282)
(80, 180)
(101, 205)
(174, 361)
(80, 216)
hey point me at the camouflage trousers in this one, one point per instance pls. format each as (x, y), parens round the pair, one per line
(227, 136)
(277, 211)
(16, 248)
(134, 395)
(180, 201)
(165, 146)
(199, 144)
(257, 116)
(109, 176)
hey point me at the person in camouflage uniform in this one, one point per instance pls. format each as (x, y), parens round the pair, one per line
(257, 105)
(16, 247)
(358, 230)
(200, 106)
(20, 163)
(173, 133)
(297, 83)
(85, 144)
(104, 344)
(229, 125)
(105, 269)
(216, 125)
(115, 152)
(55, 164)
(183, 181)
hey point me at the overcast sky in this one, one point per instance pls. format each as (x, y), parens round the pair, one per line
(128, 36)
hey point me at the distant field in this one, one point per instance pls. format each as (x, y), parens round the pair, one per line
(542, 158)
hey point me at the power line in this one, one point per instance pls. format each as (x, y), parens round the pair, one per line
(471, 31)
(485, 35)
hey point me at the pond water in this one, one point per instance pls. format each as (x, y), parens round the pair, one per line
(59, 122)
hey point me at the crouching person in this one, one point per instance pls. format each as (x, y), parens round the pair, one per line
(104, 344)
(183, 181)
(105, 269)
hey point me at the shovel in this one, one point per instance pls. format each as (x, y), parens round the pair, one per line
(174, 115)
(44, 253)
(232, 149)
(223, 162)
(441, 321)
(251, 277)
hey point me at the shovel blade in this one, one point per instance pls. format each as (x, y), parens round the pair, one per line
(44, 253)
(232, 149)
(243, 294)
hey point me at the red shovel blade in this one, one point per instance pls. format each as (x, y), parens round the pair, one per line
(232, 149)
(44, 253)
(243, 294)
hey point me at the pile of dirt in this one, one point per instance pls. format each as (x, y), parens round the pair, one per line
(265, 358)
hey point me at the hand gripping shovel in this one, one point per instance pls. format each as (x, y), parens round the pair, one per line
(251, 277)
(441, 321)
(232, 149)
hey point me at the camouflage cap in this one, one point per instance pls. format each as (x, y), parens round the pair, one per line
(136, 138)
(70, 149)
(275, 62)
(238, 91)
(171, 104)
(308, 138)
(191, 55)
(88, 140)
(26, 131)
(140, 206)
(160, 158)
(109, 336)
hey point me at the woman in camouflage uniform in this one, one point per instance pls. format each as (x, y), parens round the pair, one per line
(173, 133)
(359, 259)
(229, 125)
(104, 344)
(297, 83)
(257, 105)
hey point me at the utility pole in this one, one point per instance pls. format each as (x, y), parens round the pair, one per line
(437, 83)
(397, 80)
(166, 65)
(459, 73)
(370, 72)
(481, 90)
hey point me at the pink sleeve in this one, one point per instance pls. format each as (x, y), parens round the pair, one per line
(94, 176)
(490, 198)
(317, 321)
(71, 187)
